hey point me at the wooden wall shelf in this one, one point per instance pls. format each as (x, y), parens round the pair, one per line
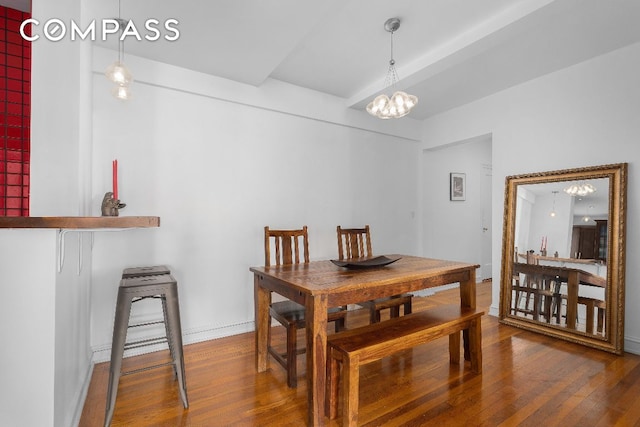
(80, 222)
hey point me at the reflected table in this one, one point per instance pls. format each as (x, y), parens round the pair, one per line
(571, 276)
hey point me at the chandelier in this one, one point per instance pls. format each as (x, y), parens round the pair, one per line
(118, 72)
(400, 103)
(582, 189)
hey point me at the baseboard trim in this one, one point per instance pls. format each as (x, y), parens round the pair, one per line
(632, 345)
(82, 396)
(103, 353)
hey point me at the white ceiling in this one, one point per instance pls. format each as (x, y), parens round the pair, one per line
(447, 52)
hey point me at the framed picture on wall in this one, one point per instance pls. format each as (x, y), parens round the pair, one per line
(457, 186)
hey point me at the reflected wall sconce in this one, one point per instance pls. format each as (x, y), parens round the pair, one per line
(400, 103)
(117, 72)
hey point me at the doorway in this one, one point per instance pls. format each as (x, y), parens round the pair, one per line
(456, 229)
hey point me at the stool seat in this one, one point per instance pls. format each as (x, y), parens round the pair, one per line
(131, 289)
(145, 271)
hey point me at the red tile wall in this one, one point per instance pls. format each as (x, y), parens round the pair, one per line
(15, 114)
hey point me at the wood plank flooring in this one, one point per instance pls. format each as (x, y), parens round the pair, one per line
(528, 380)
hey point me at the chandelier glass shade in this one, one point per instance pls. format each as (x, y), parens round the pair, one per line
(117, 72)
(583, 189)
(395, 107)
(121, 92)
(400, 103)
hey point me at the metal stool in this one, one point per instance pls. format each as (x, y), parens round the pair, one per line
(134, 289)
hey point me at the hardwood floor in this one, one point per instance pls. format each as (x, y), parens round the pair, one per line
(528, 380)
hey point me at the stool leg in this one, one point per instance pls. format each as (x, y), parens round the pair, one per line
(120, 325)
(175, 330)
(167, 329)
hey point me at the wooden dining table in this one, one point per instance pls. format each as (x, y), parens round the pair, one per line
(319, 285)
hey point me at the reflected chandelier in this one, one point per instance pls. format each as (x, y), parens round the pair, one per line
(400, 103)
(118, 72)
(583, 189)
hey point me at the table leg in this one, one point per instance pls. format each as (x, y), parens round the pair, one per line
(468, 299)
(262, 301)
(572, 299)
(468, 290)
(316, 318)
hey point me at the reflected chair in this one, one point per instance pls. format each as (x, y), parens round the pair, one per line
(356, 243)
(538, 292)
(290, 314)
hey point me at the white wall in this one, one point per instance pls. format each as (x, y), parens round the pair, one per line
(216, 172)
(47, 314)
(27, 313)
(581, 116)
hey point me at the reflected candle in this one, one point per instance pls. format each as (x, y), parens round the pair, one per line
(114, 165)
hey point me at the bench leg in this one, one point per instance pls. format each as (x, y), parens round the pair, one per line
(333, 384)
(465, 338)
(475, 345)
(454, 348)
(350, 391)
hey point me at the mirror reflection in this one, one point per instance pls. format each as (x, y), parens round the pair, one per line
(562, 226)
(563, 246)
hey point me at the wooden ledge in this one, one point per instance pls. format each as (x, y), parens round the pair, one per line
(75, 222)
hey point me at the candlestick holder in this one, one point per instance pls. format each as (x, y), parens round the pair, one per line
(110, 206)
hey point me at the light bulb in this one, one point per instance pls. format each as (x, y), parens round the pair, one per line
(121, 92)
(119, 74)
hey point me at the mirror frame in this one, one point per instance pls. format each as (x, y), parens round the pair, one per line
(613, 341)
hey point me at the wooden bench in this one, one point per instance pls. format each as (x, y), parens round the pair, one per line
(356, 347)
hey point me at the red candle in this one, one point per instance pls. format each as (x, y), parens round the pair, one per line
(115, 179)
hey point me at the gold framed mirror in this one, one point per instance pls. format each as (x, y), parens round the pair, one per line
(563, 254)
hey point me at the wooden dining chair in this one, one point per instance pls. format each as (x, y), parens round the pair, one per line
(288, 246)
(356, 243)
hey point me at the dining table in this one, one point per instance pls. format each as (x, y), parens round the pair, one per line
(319, 285)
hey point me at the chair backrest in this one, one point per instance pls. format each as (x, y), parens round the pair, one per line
(287, 245)
(354, 242)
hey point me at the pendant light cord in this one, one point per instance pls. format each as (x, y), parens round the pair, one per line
(120, 39)
(392, 74)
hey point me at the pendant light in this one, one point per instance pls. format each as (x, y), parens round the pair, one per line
(400, 103)
(553, 210)
(117, 72)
